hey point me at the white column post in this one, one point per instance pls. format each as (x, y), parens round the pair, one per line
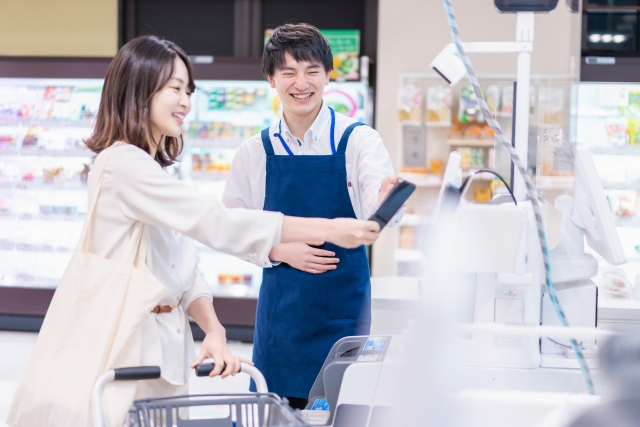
(524, 33)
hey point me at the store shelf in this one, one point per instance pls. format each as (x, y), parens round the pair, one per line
(631, 222)
(413, 220)
(555, 182)
(438, 124)
(42, 152)
(551, 125)
(610, 150)
(479, 177)
(209, 176)
(408, 255)
(629, 185)
(231, 143)
(422, 179)
(45, 186)
(469, 142)
(23, 216)
(17, 121)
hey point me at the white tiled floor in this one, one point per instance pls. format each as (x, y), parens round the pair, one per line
(16, 347)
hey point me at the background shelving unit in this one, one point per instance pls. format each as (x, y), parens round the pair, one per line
(438, 125)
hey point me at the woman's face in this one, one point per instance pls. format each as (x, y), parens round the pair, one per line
(171, 104)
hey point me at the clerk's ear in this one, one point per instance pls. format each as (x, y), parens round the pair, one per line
(271, 82)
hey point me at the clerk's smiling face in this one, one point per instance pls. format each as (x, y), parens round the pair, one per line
(300, 86)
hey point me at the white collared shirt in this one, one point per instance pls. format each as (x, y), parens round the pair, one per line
(367, 163)
(136, 188)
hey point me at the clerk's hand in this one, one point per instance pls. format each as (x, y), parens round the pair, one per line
(351, 233)
(215, 346)
(386, 185)
(303, 257)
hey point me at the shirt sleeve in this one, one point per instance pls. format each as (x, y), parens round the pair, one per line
(243, 183)
(146, 192)
(373, 164)
(237, 189)
(199, 288)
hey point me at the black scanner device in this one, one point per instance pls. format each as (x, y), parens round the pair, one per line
(393, 202)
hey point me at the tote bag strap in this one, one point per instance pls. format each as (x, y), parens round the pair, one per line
(139, 242)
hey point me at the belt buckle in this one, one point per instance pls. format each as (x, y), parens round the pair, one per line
(175, 305)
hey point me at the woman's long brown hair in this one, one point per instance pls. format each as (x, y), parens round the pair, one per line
(138, 71)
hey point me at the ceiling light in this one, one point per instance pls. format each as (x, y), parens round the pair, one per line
(607, 38)
(619, 38)
(594, 38)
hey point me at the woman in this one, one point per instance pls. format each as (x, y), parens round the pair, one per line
(145, 99)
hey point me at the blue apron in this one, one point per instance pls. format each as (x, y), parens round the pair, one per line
(301, 315)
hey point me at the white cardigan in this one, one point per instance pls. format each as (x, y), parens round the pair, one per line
(136, 188)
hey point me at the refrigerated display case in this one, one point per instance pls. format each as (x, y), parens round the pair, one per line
(44, 165)
(608, 120)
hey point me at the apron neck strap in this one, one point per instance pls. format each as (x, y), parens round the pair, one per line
(342, 147)
(333, 130)
(266, 142)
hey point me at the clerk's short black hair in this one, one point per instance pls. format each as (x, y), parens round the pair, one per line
(302, 41)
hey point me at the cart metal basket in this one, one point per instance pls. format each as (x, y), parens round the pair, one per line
(246, 410)
(262, 409)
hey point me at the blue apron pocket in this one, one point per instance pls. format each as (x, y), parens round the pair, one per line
(350, 292)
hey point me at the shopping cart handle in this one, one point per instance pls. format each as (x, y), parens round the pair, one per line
(205, 369)
(137, 373)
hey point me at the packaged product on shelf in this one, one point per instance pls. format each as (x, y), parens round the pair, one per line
(406, 238)
(634, 130)
(617, 134)
(465, 162)
(551, 105)
(439, 105)
(469, 109)
(482, 194)
(487, 132)
(473, 132)
(409, 103)
(623, 203)
(633, 108)
(234, 279)
(6, 141)
(506, 100)
(492, 97)
(31, 137)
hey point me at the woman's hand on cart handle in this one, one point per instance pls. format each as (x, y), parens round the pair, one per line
(204, 369)
(215, 346)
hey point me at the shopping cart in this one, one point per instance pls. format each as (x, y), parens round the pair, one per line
(261, 409)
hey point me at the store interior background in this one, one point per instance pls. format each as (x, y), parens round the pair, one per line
(410, 34)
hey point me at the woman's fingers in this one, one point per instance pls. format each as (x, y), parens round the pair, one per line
(247, 361)
(232, 366)
(218, 364)
(199, 359)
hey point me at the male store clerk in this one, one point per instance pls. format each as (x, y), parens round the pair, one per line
(314, 162)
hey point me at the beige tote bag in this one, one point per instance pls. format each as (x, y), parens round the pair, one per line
(92, 325)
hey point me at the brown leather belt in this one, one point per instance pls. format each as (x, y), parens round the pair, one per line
(165, 308)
